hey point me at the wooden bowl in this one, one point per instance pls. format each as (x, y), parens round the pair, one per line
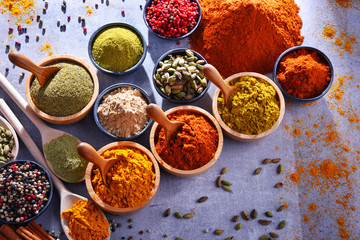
(245, 137)
(122, 211)
(194, 172)
(71, 118)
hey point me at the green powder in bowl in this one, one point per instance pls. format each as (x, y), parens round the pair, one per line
(117, 49)
(66, 92)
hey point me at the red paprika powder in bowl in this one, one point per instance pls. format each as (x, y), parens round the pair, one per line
(194, 148)
(303, 74)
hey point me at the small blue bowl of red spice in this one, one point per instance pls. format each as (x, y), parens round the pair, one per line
(303, 74)
(26, 184)
(178, 76)
(117, 48)
(176, 19)
(120, 111)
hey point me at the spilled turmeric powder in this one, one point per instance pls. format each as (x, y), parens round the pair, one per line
(17, 8)
(86, 221)
(131, 179)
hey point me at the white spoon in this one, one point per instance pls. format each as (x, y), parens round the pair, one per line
(67, 198)
(47, 133)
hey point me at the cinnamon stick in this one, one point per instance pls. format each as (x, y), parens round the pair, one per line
(44, 234)
(9, 233)
(35, 231)
(25, 233)
(2, 237)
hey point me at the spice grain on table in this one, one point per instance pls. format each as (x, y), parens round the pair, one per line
(317, 142)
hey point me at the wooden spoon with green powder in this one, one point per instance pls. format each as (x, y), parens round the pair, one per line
(214, 76)
(42, 73)
(48, 134)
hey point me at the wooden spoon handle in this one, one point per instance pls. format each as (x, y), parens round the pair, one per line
(87, 152)
(157, 114)
(22, 61)
(214, 76)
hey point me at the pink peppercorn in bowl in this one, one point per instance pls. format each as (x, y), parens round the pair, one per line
(183, 18)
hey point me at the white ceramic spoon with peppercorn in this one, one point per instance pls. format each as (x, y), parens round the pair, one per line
(67, 198)
(47, 133)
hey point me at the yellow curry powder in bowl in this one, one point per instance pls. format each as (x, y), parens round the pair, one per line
(132, 181)
(255, 109)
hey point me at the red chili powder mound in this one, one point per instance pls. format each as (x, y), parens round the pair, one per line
(230, 37)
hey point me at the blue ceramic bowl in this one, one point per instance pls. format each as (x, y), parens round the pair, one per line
(149, 3)
(111, 25)
(322, 56)
(99, 101)
(50, 193)
(165, 56)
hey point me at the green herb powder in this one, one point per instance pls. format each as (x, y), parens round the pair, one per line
(65, 93)
(62, 154)
(117, 49)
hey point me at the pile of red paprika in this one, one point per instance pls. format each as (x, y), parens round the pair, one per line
(173, 18)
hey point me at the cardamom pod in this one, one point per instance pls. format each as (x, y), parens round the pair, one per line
(224, 170)
(270, 238)
(167, 212)
(257, 171)
(279, 185)
(179, 238)
(189, 215)
(245, 216)
(274, 235)
(264, 237)
(268, 214)
(226, 183)
(253, 214)
(238, 226)
(236, 218)
(178, 215)
(281, 225)
(218, 232)
(282, 207)
(226, 188)
(266, 161)
(229, 238)
(276, 160)
(264, 222)
(202, 199)
(279, 169)
(218, 181)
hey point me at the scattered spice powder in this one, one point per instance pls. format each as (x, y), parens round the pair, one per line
(46, 48)
(343, 41)
(17, 8)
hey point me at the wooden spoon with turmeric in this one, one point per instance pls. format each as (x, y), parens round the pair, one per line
(157, 114)
(87, 152)
(41, 73)
(214, 76)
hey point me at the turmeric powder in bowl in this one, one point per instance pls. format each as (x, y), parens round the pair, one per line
(131, 180)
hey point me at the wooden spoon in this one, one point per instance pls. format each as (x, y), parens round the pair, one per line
(67, 198)
(157, 114)
(214, 76)
(47, 133)
(87, 152)
(41, 73)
